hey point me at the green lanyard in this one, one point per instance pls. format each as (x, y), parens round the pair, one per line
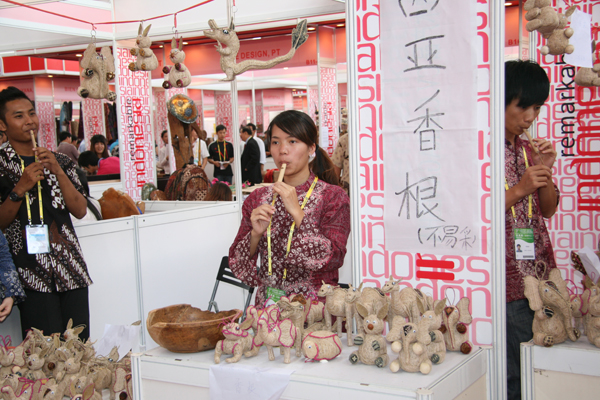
(289, 242)
(39, 185)
(530, 197)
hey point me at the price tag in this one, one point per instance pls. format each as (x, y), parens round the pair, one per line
(37, 239)
(524, 246)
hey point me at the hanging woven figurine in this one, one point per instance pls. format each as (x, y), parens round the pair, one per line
(97, 70)
(178, 75)
(145, 58)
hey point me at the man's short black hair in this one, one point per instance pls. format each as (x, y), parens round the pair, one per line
(9, 94)
(252, 126)
(221, 127)
(88, 158)
(526, 81)
(247, 130)
(64, 135)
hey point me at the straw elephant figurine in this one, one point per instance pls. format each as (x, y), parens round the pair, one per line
(552, 322)
(410, 342)
(591, 309)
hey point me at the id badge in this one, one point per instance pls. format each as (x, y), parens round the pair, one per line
(274, 295)
(222, 165)
(524, 246)
(37, 239)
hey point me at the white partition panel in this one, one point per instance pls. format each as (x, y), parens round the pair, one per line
(109, 251)
(180, 253)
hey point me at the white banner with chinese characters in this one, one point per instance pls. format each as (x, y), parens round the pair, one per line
(429, 87)
(136, 144)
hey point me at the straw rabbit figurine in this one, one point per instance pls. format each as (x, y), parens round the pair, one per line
(145, 58)
(177, 75)
(372, 348)
(237, 341)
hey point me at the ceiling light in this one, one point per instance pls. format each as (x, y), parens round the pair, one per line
(78, 55)
(340, 25)
(508, 3)
(185, 43)
(257, 38)
(161, 46)
(311, 28)
(50, 76)
(285, 67)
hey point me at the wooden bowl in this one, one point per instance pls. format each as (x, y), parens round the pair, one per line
(182, 328)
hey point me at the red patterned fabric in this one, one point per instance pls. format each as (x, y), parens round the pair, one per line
(318, 246)
(517, 269)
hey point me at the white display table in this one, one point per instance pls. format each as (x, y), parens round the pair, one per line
(161, 374)
(570, 370)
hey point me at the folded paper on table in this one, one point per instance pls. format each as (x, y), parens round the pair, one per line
(125, 337)
(234, 382)
(590, 262)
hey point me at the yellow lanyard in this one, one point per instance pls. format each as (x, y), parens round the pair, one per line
(39, 185)
(221, 156)
(530, 197)
(289, 242)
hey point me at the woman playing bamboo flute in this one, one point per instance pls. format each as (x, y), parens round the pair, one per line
(300, 225)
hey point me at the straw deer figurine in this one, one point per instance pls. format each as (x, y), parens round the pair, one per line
(228, 46)
(145, 58)
(335, 305)
(591, 308)
(409, 303)
(238, 341)
(410, 343)
(279, 334)
(372, 348)
(552, 322)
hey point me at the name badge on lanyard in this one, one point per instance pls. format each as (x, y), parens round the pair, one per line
(37, 238)
(524, 244)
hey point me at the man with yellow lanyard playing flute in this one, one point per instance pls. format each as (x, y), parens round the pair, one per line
(39, 189)
(300, 225)
(531, 196)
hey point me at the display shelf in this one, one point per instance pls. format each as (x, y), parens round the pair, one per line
(566, 370)
(160, 373)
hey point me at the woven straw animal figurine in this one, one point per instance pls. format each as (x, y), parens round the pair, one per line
(13, 360)
(294, 309)
(541, 16)
(97, 70)
(72, 366)
(228, 37)
(321, 346)
(591, 308)
(237, 341)
(82, 388)
(34, 363)
(431, 321)
(25, 394)
(121, 387)
(552, 322)
(178, 75)
(411, 346)
(557, 42)
(145, 58)
(372, 299)
(576, 302)
(335, 305)
(408, 303)
(278, 334)
(372, 348)
(314, 311)
(53, 390)
(455, 320)
(72, 332)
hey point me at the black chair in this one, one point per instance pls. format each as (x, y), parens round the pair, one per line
(225, 275)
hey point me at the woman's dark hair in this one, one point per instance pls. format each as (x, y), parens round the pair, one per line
(302, 127)
(219, 192)
(526, 81)
(99, 139)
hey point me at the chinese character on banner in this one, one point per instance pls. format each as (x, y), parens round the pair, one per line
(430, 127)
(136, 144)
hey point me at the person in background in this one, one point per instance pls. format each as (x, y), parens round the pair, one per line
(98, 145)
(341, 161)
(89, 161)
(250, 158)
(53, 272)
(66, 147)
(163, 153)
(529, 185)
(221, 156)
(261, 147)
(219, 191)
(309, 203)
(199, 149)
(82, 147)
(11, 291)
